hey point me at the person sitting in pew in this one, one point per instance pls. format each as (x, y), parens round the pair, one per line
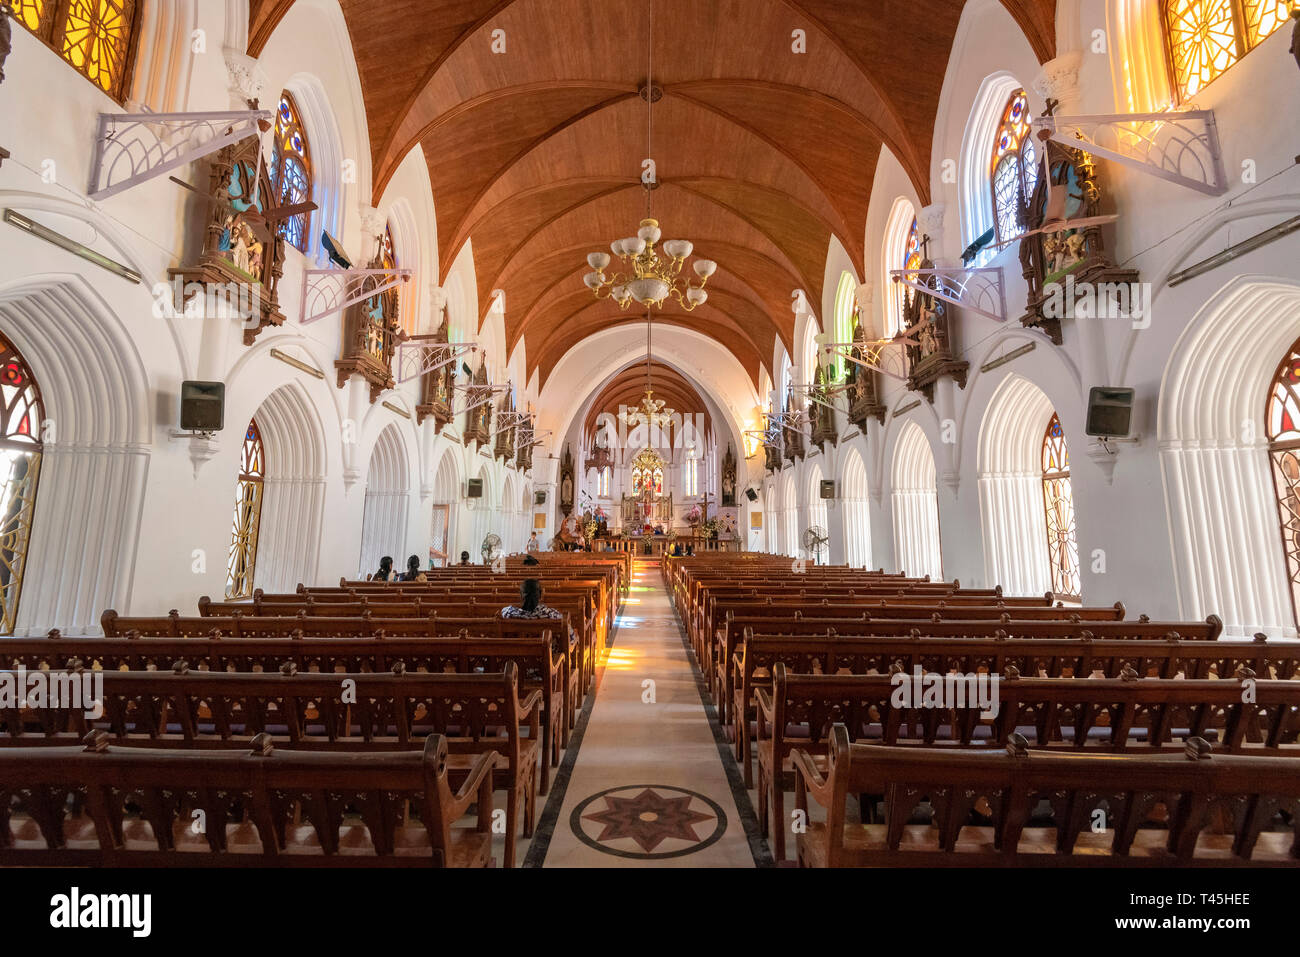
(530, 603)
(413, 573)
(385, 573)
(464, 558)
(531, 559)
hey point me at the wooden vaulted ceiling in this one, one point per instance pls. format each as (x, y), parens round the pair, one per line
(626, 389)
(763, 154)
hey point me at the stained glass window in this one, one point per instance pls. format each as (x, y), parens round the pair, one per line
(248, 515)
(1058, 501)
(1205, 37)
(845, 311)
(21, 445)
(290, 170)
(1014, 166)
(912, 255)
(1282, 419)
(95, 36)
(648, 473)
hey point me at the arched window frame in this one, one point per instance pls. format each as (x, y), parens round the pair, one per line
(1206, 38)
(98, 38)
(895, 254)
(291, 170)
(845, 307)
(1013, 168)
(241, 564)
(22, 415)
(1058, 512)
(1282, 422)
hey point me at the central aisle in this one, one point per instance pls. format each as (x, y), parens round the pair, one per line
(649, 785)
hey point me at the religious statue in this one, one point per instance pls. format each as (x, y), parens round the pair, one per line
(566, 482)
(1069, 176)
(729, 477)
(241, 247)
(370, 331)
(863, 392)
(820, 413)
(6, 36)
(930, 352)
(436, 388)
(1295, 38)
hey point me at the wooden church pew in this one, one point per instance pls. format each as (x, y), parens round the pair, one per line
(476, 714)
(103, 806)
(955, 789)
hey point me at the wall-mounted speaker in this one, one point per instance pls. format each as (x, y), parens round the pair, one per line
(751, 495)
(1110, 412)
(474, 488)
(203, 406)
(828, 488)
(539, 498)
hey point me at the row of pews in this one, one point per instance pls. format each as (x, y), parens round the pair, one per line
(367, 724)
(1112, 741)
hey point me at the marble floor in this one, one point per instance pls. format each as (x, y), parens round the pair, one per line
(647, 780)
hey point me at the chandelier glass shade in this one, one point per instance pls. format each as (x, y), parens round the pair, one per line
(650, 412)
(651, 273)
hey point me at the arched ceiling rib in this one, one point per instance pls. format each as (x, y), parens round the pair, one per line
(626, 389)
(534, 149)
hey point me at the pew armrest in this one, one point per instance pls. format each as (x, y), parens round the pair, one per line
(809, 779)
(478, 786)
(765, 708)
(530, 704)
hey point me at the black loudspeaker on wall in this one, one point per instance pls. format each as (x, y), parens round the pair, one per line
(539, 498)
(1110, 412)
(751, 495)
(203, 406)
(828, 488)
(474, 488)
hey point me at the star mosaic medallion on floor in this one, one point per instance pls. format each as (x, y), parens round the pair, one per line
(648, 821)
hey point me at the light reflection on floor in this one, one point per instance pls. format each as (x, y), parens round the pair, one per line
(617, 660)
(623, 621)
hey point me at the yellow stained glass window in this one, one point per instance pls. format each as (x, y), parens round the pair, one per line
(1282, 419)
(1058, 504)
(1263, 17)
(242, 561)
(34, 14)
(1206, 37)
(95, 36)
(21, 417)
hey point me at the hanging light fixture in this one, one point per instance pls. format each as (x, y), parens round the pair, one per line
(651, 411)
(651, 271)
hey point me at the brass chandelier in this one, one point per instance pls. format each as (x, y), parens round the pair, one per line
(651, 272)
(652, 278)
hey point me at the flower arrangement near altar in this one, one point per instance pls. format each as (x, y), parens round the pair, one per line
(590, 529)
(711, 526)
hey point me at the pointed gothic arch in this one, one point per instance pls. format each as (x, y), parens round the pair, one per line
(856, 508)
(384, 514)
(1011, 487)
(1215, 457)
(915, 499)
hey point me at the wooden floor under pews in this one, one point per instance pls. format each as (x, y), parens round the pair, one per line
(720, 710)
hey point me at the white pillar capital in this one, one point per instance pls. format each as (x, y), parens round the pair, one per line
(372, 221)
(247, 80)
(1059, 80)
